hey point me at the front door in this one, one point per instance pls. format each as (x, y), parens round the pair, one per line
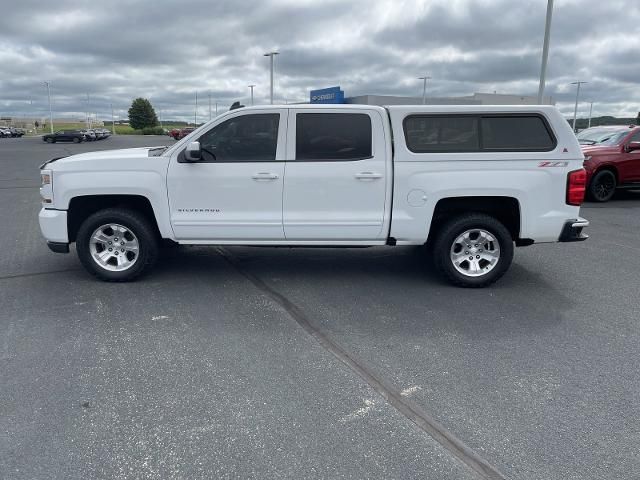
(235, 192)
(336, 175)
(630, 165)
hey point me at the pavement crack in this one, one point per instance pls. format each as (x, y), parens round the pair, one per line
(396, 398)
(37, 274)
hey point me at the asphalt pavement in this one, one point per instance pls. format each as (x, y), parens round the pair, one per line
(242, 362)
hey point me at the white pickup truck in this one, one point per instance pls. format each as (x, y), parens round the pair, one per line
(468, 182)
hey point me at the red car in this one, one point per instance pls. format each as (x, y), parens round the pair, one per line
(612, 159)
(179, 133)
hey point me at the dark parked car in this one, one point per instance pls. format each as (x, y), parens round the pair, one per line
(612, 159)
(75, 136)
(16, 132)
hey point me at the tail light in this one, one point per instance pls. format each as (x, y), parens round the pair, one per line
(576, 187)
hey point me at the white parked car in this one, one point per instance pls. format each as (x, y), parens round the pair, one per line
(470, 182)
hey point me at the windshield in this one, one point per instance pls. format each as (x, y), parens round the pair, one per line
(602, 136)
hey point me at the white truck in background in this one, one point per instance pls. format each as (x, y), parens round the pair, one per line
(469, 182)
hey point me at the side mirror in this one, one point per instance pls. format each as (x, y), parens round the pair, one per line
(193, 152)
(631, 146)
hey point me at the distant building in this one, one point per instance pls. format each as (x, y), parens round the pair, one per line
(475, 99)
(336, 95)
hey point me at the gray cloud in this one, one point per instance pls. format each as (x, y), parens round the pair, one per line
(167, 51)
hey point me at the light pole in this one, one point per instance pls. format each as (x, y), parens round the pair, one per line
(113, 123)
(50, 111)
(590, 112)
(216, 109)
(160, 110)
(88, 120)
(424, 88)
(209, 94)
(195, 113)
(251, 87)
(271, 55)
(575, 110)
(545, 51)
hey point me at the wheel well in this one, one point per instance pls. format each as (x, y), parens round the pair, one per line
(504, 209)
(83, 206)
(610, 168)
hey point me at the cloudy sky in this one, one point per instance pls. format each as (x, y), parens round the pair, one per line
(117, 50)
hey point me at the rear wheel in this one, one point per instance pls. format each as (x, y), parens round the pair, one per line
(473, 250)
(76, 140)
(50, 140)
(602, 186)
(117, 245)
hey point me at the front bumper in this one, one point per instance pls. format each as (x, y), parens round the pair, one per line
(53, 225)
(572, 230)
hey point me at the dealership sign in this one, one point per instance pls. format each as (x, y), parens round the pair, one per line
(327, 95)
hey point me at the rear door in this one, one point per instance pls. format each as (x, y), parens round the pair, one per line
(335, 176)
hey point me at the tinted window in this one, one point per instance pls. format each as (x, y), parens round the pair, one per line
(515, 133)
(333, 136)
(246, 138)
(442, 134)
(635, 137)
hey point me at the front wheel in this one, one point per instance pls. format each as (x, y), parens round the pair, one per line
(117, 245)
(602, 186)
(473, 250)
(50, 140)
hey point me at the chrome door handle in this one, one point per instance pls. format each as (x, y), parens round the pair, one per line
(265, 176)
(368, 176)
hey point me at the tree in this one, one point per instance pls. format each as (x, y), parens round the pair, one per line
(142, 114)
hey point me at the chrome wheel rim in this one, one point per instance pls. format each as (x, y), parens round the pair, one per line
(114, 247)
(475, 252)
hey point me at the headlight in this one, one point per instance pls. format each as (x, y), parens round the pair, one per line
(46, 186)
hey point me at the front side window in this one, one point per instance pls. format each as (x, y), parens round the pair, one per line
(246, 138)
(442, 133)
(333, 136)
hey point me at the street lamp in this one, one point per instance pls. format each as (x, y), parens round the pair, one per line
(545, 51)
(424, 88)
(590, 112)
(209, 94)
(50, 112)
(271, 55)
(251, 87)
(575, 110)
(195, 113)
(113, 123)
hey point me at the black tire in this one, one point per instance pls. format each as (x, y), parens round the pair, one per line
(138, 224)
(450, 231)
(51, 140)
(76, 140)
(603, 186)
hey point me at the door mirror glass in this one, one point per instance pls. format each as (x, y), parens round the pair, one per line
(193, 152)
(631, 146)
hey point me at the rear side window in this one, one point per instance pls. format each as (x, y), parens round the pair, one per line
(333, 136)
(477, 133)
(442, 134)
(516, 133)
